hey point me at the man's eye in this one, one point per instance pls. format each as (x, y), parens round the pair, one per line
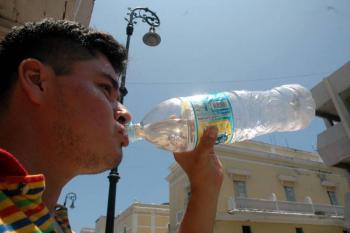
(106, 88)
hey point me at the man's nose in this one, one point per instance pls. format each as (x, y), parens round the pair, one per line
(122, 115)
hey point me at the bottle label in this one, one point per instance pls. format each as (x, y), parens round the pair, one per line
(210, 110)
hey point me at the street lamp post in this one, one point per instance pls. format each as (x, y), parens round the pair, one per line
(151, 38)
(73, 197)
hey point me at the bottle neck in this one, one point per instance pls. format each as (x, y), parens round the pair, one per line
(135, 132)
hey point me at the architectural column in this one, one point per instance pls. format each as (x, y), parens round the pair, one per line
(153, 222)
(134, 223)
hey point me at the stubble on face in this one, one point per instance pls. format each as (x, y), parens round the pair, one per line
(74, 145)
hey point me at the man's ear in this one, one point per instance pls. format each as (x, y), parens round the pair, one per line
(33, 76)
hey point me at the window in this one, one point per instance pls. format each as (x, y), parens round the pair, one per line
(332, 197)
(240, 189)
(289, 191)
(246, 229)
(299, 230)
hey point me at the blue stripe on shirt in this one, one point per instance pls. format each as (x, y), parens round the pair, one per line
(15, 225)
(42, 219)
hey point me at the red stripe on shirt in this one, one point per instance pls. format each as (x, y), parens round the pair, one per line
(35, 210)
(8, 211)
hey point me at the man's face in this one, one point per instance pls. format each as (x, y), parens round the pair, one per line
(87, 119)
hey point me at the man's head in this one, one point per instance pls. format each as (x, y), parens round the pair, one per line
(58, 44)
(59, 81)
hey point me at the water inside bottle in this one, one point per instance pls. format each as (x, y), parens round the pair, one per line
(171, 134)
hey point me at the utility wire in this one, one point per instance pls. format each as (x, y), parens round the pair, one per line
(316, 75)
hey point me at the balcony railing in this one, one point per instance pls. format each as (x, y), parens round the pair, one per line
(284, 207)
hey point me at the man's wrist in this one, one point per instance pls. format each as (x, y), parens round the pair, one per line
(208, 190)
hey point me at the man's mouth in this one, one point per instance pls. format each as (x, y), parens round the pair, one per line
(125, 140)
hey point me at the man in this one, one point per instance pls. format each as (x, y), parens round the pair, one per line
(60, 117)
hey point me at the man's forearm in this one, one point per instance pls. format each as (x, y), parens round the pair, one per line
(200, 214)
(205, 173)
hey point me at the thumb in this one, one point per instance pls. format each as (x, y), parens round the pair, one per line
(208, 138)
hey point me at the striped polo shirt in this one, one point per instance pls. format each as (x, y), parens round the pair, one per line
(21, 206)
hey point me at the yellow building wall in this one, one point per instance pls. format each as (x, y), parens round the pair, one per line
(162, 230)
(177, 196)
(143, 230)
(139, 218)
(263, 181)
(145, 222)
(162, 221)
(124, 221)
(236, 227)
(128, 221)
(144, 219)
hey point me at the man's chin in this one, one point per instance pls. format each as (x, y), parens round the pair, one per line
(112, 162)
(118, 156)
(118, 161)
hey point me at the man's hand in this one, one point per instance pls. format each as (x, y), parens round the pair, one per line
(205, 174)
(201, 165)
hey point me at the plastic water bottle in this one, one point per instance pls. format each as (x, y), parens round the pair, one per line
(177, 124)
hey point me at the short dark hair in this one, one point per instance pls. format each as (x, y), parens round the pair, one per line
(57, 43)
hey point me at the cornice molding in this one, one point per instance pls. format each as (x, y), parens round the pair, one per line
(261, 216)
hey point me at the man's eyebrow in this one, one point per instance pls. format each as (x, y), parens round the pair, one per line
(114, 82)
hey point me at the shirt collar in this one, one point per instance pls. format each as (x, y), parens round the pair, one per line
(10, 166)
(16, 183)
(15, 180)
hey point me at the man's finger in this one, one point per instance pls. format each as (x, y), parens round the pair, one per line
(208, 139)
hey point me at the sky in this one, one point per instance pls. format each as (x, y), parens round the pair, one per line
(207, 47)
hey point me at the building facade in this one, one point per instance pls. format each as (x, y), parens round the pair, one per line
(139, 218)
(14, 13)
(87, 230)
(269, 188)
(332, 97)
